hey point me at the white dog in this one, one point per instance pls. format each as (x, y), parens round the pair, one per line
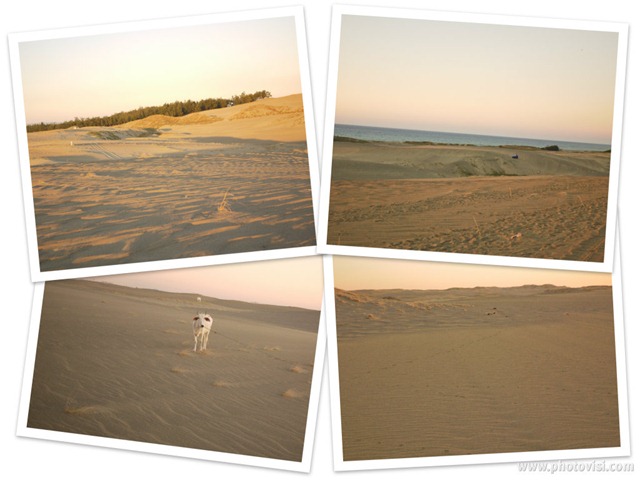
(201, 328)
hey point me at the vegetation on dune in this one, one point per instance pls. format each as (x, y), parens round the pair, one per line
(338, 138)
(414, 142)
(111, 135)
(175, 109)
(553, 148)
(549, 148)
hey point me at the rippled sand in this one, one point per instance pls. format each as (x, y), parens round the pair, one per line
(117, 362)
(225, 181)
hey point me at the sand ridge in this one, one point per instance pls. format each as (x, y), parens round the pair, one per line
(117, 362)
(376, 160)
(470, 371)
(277, 119)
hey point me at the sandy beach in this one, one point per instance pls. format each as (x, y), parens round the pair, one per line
(117, 362)
(476, 370)
(469, 199)
(214, 182)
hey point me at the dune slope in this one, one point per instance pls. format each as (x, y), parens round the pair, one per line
(117, 362)
(471, 371)
(369, 161)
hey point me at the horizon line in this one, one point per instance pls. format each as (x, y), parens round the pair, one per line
(472, 288)
(104, 280)
(473, 134)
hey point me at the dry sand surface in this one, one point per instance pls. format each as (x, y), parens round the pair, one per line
(468, 199)
(118, 362)
(471, 371)
(216, 182)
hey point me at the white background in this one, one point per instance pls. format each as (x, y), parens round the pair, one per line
(28, 458)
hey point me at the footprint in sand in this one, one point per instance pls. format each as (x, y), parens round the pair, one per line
(85, 411)
(221, 384)
(292, 393)
(170, 331)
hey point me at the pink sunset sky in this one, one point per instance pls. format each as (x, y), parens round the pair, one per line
(99, 75)
(294, 282)
(361, 273)
(475, 78)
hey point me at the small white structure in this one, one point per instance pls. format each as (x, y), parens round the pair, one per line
(201, 327)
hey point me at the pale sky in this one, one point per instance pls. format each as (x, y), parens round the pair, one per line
(104, 74)
(294, 282)
(483, 79)
(361, 273)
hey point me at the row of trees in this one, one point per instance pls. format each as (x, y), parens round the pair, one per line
(174, 109)
(250, 97)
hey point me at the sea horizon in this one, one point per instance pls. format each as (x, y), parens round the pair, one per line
(387, 134)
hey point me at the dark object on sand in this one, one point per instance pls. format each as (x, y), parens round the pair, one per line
(514, 156)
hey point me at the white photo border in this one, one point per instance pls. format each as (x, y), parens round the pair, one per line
(338, 11)
(476, 459)
(303, 466)
(37, 275)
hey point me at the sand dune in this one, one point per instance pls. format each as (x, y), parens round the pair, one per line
(276, 119)
(224, 181)
(470, 371)
(117, 362)
(368, 161)
(470, 200)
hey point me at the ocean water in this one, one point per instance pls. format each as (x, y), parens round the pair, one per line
(398, 135)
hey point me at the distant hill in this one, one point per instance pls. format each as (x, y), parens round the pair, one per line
(175, 109)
